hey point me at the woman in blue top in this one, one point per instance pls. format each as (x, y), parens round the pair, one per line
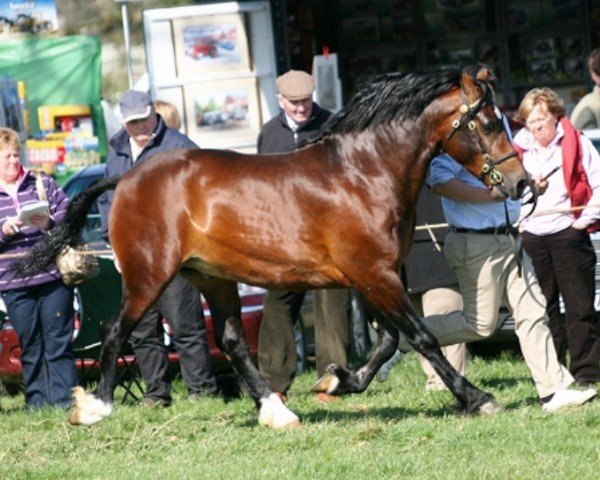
(40, 308)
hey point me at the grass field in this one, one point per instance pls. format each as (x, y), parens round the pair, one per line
(394, 430)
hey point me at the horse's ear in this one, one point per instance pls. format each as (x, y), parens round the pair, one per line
(467, 84)
(483, 74)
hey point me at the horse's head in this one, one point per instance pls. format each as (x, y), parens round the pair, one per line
(477, 138)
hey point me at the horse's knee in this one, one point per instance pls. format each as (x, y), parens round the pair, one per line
(425, 341)
(233, 334)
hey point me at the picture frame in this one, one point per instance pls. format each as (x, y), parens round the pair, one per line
(572, 47)
(222, 114)
(573, 67)
(543, 48)
(211, 43)
(543, 70)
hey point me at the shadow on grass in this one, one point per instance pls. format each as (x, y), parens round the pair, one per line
(501, 383)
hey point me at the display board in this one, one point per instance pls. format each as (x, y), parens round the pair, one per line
(56, 71)
(216, 64)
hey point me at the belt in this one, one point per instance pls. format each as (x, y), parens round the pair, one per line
(502, 230)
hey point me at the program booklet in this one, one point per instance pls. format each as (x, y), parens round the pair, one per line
(32, 208)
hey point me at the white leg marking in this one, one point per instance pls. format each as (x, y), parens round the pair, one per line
(273, 413)
(87, 409)
(333, 384)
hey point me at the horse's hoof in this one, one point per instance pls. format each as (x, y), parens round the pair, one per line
(274, 414)
(328, 383)
(87, 409)
(490, 408)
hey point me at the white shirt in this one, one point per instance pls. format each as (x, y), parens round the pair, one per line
(539, 162)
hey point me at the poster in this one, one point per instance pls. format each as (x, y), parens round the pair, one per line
(222, 114)
(28, 17)
(211, 43)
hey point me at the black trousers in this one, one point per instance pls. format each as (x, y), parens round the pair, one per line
(276, 343)
(564, 263)
(181, 304)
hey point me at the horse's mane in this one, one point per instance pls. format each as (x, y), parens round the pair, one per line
(391, 97)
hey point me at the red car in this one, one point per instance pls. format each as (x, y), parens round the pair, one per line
(86, 343)
(205, 48)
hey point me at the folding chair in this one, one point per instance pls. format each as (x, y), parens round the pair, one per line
(98, 300)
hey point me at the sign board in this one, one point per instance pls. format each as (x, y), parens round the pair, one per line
(216, 63)
(28, 17)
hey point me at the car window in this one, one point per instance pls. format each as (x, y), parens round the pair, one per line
(92, 232)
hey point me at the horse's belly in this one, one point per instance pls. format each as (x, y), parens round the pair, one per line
(266, 274)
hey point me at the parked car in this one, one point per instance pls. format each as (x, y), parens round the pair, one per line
(98, 299)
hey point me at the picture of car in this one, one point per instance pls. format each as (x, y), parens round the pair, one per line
(212, 118)
(204, 48)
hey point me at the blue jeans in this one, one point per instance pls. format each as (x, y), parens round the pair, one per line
(42, 316)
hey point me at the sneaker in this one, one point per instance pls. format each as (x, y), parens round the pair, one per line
(384, 371)
(568, 398)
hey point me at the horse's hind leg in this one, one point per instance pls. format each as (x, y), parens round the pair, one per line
(90, 408)
(224, 303)
(391, 300)
(339, 380)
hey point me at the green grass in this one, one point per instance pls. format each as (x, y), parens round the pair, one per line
(394, 430)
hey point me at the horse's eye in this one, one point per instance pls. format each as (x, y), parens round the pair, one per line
(493, 126)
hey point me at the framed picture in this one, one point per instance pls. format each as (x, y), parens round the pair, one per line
(543, 48)
(222, 114)
(210, 43)
(572, 47)
(573, 67)
(543, 70)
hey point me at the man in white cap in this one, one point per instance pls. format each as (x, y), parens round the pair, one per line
(299, 118)
(144, 134)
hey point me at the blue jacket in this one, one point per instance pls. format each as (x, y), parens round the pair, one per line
(28, 235)
(119, 160)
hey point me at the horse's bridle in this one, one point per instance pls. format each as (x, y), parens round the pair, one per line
(468, 114)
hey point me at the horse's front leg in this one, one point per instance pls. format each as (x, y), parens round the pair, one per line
(224, 303)
(393, 304)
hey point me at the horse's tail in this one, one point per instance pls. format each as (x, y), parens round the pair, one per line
(67, 233)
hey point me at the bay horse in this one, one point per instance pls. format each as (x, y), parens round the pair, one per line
(338, 212)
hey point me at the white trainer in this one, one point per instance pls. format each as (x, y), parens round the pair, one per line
(568, 398)
(384, 370)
